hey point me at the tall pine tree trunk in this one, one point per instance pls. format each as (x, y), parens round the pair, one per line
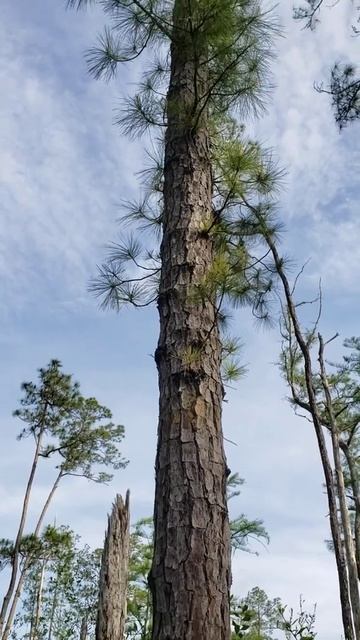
(190, 577)
(110, 622)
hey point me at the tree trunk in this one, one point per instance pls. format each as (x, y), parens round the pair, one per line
(190, 576)
(28, 560)
(39, 596)
(53, 606)
(326, 465)
(84, 628)
(114, 573)
(25, 507)
(348, 539)
(345, 520)
(356, 495)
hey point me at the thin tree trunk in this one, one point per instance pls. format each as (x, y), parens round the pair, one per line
(24, 511)
(27, 562)
(53, 606)
(190, 575)
(47, 503)
(345, 520)
(355, 487)
(330, 489)
(84, 628)
(33, 607)
(111, 617)
(144, 634)
(39, 602)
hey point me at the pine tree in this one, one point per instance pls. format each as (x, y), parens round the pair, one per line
(68, 590)
(344, 83)
(78, 434)
(206, 61)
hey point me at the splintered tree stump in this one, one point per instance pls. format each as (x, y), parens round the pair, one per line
(114, 574)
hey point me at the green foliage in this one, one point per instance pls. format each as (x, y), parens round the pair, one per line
(34, 548)
(344, 89)
(77, 431)
(255, 617)
(298, 625)
(344, 83)
(81, 590)
(69, 591)
(6, 552)
(243, 530)
(344, 383)
(138, 624)
(69, 588)
(230, 46)
(241, 619)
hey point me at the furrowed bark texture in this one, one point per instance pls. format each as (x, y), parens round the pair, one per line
(190, 576)
(114, 574)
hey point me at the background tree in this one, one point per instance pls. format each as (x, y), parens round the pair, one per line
(344, 82)
(40, 576)
(77, 433)
(299, 343)
(69, 585)
(256, 616)
(70, 588)
(139, 606)
(340, 411)
(300, 625)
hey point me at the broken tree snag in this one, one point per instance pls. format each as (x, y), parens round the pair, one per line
(114, 574)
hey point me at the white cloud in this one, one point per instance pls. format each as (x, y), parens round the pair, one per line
(319, 201)
(63, 169)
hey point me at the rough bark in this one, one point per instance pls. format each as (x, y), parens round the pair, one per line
(114, 574)
(190, 576)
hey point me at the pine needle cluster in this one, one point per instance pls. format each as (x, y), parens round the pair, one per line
(231, 47)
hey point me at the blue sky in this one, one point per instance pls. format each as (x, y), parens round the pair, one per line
(64, 168)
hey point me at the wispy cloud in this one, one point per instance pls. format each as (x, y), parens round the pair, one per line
(321, 187)
(63, 167)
